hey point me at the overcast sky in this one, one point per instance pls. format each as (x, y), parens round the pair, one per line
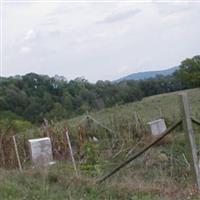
(100, 41)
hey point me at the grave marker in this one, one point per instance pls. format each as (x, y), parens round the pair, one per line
(157, 127)
(41, 152)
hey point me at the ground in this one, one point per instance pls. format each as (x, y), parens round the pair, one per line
(163, 172)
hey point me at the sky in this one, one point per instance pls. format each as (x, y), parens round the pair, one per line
(98, 40)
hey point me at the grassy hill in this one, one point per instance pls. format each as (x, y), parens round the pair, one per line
(161, 173)
(148, 109)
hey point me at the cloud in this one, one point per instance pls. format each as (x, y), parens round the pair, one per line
(149, 37)
(171, 9)
(120, 16)
(30, 35)
(123, 69)
(60, 10)
(25, 50)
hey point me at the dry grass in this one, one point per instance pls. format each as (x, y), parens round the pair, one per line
(160, 173)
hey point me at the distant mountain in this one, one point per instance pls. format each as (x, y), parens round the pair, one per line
(148, 74)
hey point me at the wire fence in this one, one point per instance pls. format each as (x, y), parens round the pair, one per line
(109, 138)
(89, 129)
(8, 158)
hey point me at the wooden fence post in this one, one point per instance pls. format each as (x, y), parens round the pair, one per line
(136, 120)
(17, 154)
(2, 153)
(71, 153)
(189, 135)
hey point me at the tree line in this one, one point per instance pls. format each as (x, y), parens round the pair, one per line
(33, 97)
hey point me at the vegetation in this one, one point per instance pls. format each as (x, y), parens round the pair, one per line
(34, 97)
(189, 73)
(58, 184)
(161, 173)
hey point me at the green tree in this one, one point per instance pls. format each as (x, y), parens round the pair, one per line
(189, 72)
(58, 112)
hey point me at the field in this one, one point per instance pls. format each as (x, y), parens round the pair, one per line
(163, 172)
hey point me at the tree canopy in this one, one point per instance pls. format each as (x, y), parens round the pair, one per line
(33, 97)
(189, 72)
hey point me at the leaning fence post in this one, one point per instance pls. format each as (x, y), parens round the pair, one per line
(17, 154)
(189, 135)
(71, 153)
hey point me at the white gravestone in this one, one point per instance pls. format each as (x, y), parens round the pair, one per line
(41, 151)
(157, 127)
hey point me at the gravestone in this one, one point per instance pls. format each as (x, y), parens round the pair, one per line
(157, 127)
(41, 152)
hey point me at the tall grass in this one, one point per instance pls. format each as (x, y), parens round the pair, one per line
(162, 172)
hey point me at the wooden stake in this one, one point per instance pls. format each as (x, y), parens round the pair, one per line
(2, 152)
(136, 120)
(160, 111)
(46, 127)
(71, 153)
(189, 135)
(17, 154)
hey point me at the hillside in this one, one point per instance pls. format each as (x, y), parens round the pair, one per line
(161, 173)
(148, 74)
(33, 97)
(148, 109)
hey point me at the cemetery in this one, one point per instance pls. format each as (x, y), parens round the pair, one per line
(46, 149)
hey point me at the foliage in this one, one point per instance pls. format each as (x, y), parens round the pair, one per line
(33, 97)
(21, 125)
(161, 173)
(189, 72)
(89, 152)
(58, 183)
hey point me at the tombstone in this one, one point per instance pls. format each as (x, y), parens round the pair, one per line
(41, 152)
(157, 127)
